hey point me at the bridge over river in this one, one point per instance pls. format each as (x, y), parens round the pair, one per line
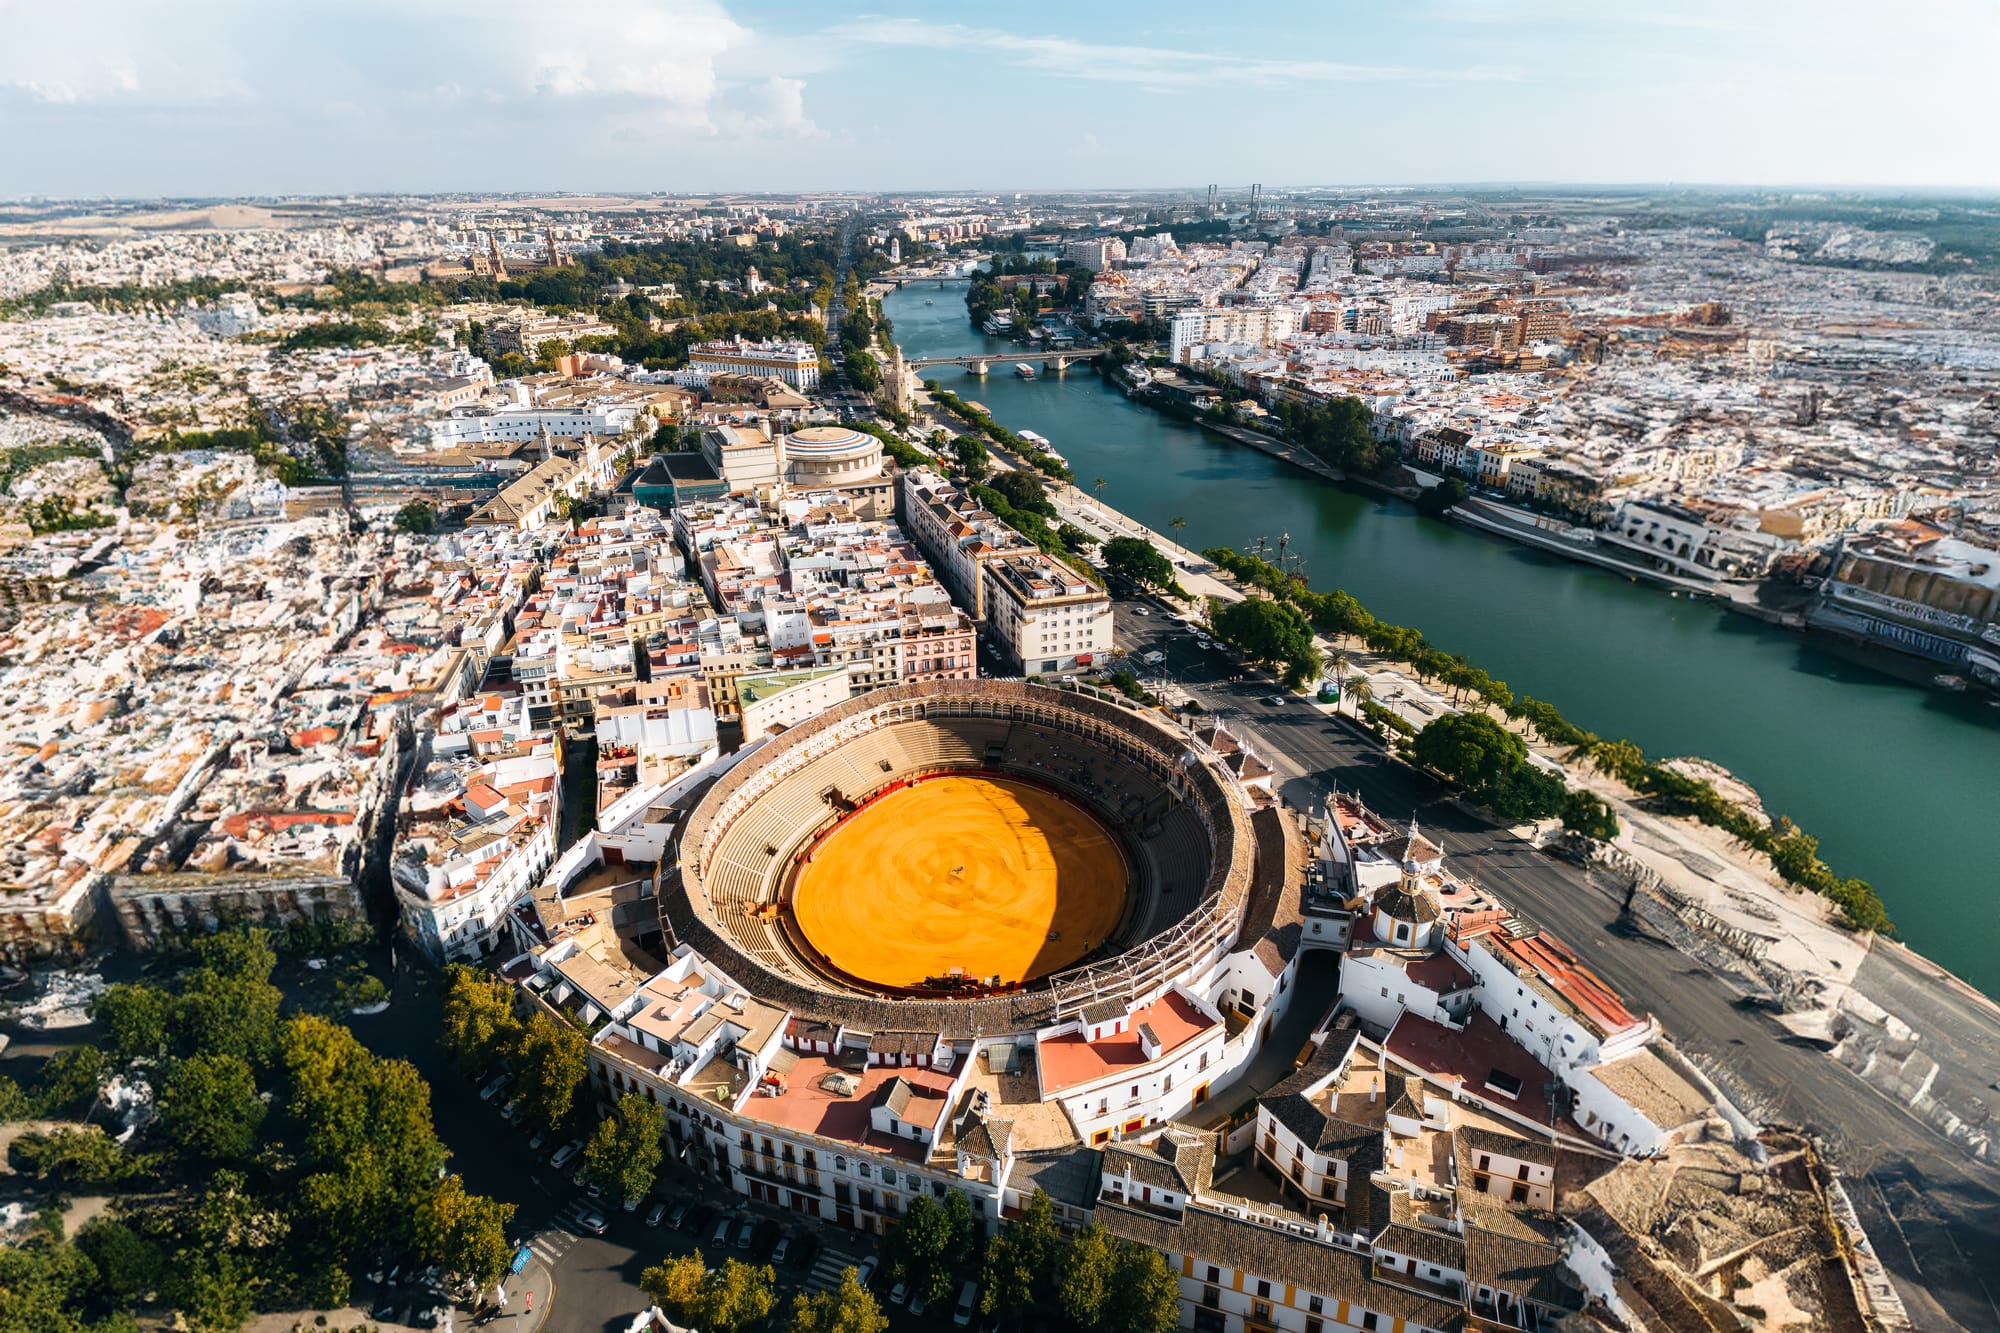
(978, 364)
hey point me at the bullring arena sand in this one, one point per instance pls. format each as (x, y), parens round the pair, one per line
(973, 873)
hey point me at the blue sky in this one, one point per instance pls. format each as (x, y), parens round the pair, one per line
(149, 97)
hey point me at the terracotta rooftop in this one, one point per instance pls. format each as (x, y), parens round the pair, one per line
(1472, 1059)
(1557, 964)
(1069, 1060)
(808, 1107)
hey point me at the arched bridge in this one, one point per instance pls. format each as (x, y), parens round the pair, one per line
(979, 364)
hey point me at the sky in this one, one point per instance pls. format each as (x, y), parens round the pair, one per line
(145, 98)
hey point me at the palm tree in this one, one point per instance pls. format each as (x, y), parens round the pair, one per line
(1098, 484)
(1358, 690)
(1177, 523)
(1339, 664)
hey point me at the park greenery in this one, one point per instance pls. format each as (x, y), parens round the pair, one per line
(283, 1158)
(417, 516)
(1039, 458)
(347, 333)
(1794, 853)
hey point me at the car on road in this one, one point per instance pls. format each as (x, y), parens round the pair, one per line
(655, 1213)
(1141, 611)
(590, 1220)
(1155, 657)
(1275, 700)
(497, 1086)
(865, 1271)
(565, 1153)
(781, 1249)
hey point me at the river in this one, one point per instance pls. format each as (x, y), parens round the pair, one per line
(1899, 783)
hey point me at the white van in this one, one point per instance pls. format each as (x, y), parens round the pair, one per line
(1155, 657)
(968, 1301)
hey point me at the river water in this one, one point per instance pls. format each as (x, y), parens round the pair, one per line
(1900, 784)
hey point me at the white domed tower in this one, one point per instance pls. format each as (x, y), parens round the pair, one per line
(1407, 913)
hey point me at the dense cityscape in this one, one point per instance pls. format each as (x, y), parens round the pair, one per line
(1250, 758)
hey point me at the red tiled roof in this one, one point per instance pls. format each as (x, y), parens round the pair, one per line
(1470, 1057)
(1070, 1060)
(1558, 965)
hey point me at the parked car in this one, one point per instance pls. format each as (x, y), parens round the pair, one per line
(591, 1220)
(697, 1218)
(565, 1153)
(511, 1111)
(865, 1271)
(899, 1293)
(746, 1231)
(537, 1139)
(918, 1303)
(632, 1204)
(723, 1226)
(781, 1250)
(496, 1087)
(968, 1301)
(655, 1213)
(677, 1216)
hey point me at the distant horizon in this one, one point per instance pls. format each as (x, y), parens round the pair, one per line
(228, 99)
(1230, 191)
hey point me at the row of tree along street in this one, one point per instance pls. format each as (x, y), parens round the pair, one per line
(1279, 630)
(1092, 1281)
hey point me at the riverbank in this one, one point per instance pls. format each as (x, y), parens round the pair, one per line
(1892, 780)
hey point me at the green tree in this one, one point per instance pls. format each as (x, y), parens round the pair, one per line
(1145, 1293)
(72, 1155)
(624, 1152)
(135, 1020)
(1021, 1263)
(551, 1060)
(1436, 500)
(465, 1233)
(129, 1266)
(675, 1284)
(1471, 750)
(739, 1296)
(228, 1005)
(209, 1109)
(67, 1084)
(1587, 814)
(848, 1308)
(1271, 632)
(925, 1246)
(1024, 490)
(1137, 560)
(478, 1021)
(1086, 1275)
(417, 516)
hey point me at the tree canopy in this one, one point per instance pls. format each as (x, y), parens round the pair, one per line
(624, 1151)
(1137, 560)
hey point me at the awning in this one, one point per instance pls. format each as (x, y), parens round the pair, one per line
(1083, 659)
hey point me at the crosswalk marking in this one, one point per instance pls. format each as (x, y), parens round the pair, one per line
(827, 1269)
(552, 1244)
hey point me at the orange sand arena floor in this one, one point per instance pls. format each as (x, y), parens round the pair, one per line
(961, 872)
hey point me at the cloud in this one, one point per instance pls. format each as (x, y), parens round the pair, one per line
(1154, 67)
(659, 55)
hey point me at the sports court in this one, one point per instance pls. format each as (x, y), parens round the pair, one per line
(980, 875)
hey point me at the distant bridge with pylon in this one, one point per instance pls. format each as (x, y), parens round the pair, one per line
(981, 362)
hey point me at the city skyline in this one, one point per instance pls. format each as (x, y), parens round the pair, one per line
(667, 95)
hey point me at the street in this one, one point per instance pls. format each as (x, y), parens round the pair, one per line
(1931, 1212)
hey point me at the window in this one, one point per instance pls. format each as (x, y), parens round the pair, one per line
(1263, 1289)
(1369, 1320)
(888, 1175)
(1315, 1304)
(1211, 1297)
(1519, 1194)
(1314, 1325)
(1214, 1273)
(861, 1169)
(1260, 1311)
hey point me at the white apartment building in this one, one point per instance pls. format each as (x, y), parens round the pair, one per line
(796, 363)
(524, 425)
(1045, 615)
